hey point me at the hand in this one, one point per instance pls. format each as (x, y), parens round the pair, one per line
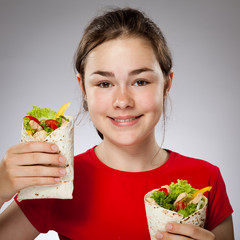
(179, 231)
(28, 164)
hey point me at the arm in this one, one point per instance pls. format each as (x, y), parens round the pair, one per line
(174, 230)
(14, 219)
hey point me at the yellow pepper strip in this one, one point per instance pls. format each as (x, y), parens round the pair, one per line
(203, 190)
(62, 110)
(29, 132)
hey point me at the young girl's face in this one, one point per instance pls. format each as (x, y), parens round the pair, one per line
(124, 90)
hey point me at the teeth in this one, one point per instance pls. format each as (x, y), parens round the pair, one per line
(125, 120)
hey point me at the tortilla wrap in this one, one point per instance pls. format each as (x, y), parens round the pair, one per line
(63, 137)
(158, 217)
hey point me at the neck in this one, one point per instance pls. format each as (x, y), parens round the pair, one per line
(139, 157)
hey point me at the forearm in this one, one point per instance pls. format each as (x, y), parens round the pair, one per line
(15, 225)
(224, 230)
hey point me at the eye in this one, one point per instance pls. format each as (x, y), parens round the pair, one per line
(141, 83)
(104, 85)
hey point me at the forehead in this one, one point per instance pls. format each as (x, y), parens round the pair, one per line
(122, 54)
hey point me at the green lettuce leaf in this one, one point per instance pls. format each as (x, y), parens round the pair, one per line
(190, 209)
(41, 113)
(163, 200)
(180, 187)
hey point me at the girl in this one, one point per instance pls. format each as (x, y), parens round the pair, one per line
(124, 70)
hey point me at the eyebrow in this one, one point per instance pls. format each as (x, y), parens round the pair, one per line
(132, 73)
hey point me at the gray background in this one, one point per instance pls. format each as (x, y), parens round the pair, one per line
(37, 43)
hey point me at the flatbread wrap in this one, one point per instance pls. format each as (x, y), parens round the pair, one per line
(177, 202)
(58, 130)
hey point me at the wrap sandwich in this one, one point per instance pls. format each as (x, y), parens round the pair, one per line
(44, 124)
(177, 202)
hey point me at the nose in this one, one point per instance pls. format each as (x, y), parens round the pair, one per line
(123, 99)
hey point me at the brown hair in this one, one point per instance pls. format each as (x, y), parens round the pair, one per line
(117, 23)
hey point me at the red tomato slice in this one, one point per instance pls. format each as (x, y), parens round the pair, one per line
(34, 119)
(180, 205)
(52, 123)
(164, 190)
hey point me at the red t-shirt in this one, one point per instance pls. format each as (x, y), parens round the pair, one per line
(108, 204)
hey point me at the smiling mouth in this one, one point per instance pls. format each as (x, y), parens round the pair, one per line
(125, 119)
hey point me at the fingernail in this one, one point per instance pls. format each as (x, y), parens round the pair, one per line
(62, 171)
(57, 179)
(62, 159)
(169, 227)
(159, 235)
(54, 148)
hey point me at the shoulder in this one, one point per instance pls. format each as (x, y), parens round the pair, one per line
(192, 162)
(195, 170)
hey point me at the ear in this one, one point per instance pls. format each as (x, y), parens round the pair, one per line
(81, 84)
(170, 78)
(168, 83)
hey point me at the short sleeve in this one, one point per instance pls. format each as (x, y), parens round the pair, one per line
(38, 212)
(219, 206)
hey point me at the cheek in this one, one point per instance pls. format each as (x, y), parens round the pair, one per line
(97, 103)
(152, 101)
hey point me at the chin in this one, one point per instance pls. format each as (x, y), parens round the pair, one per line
(125, 140)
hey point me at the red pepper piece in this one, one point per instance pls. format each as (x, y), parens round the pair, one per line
(164, 190)
(34, 119)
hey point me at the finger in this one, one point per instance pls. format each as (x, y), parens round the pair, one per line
(34, 147)
(40, 158)
(25, 182)
(170, 236)
(189, 230)
(38, 171)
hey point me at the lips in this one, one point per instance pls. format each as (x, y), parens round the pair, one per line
(125, 120)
